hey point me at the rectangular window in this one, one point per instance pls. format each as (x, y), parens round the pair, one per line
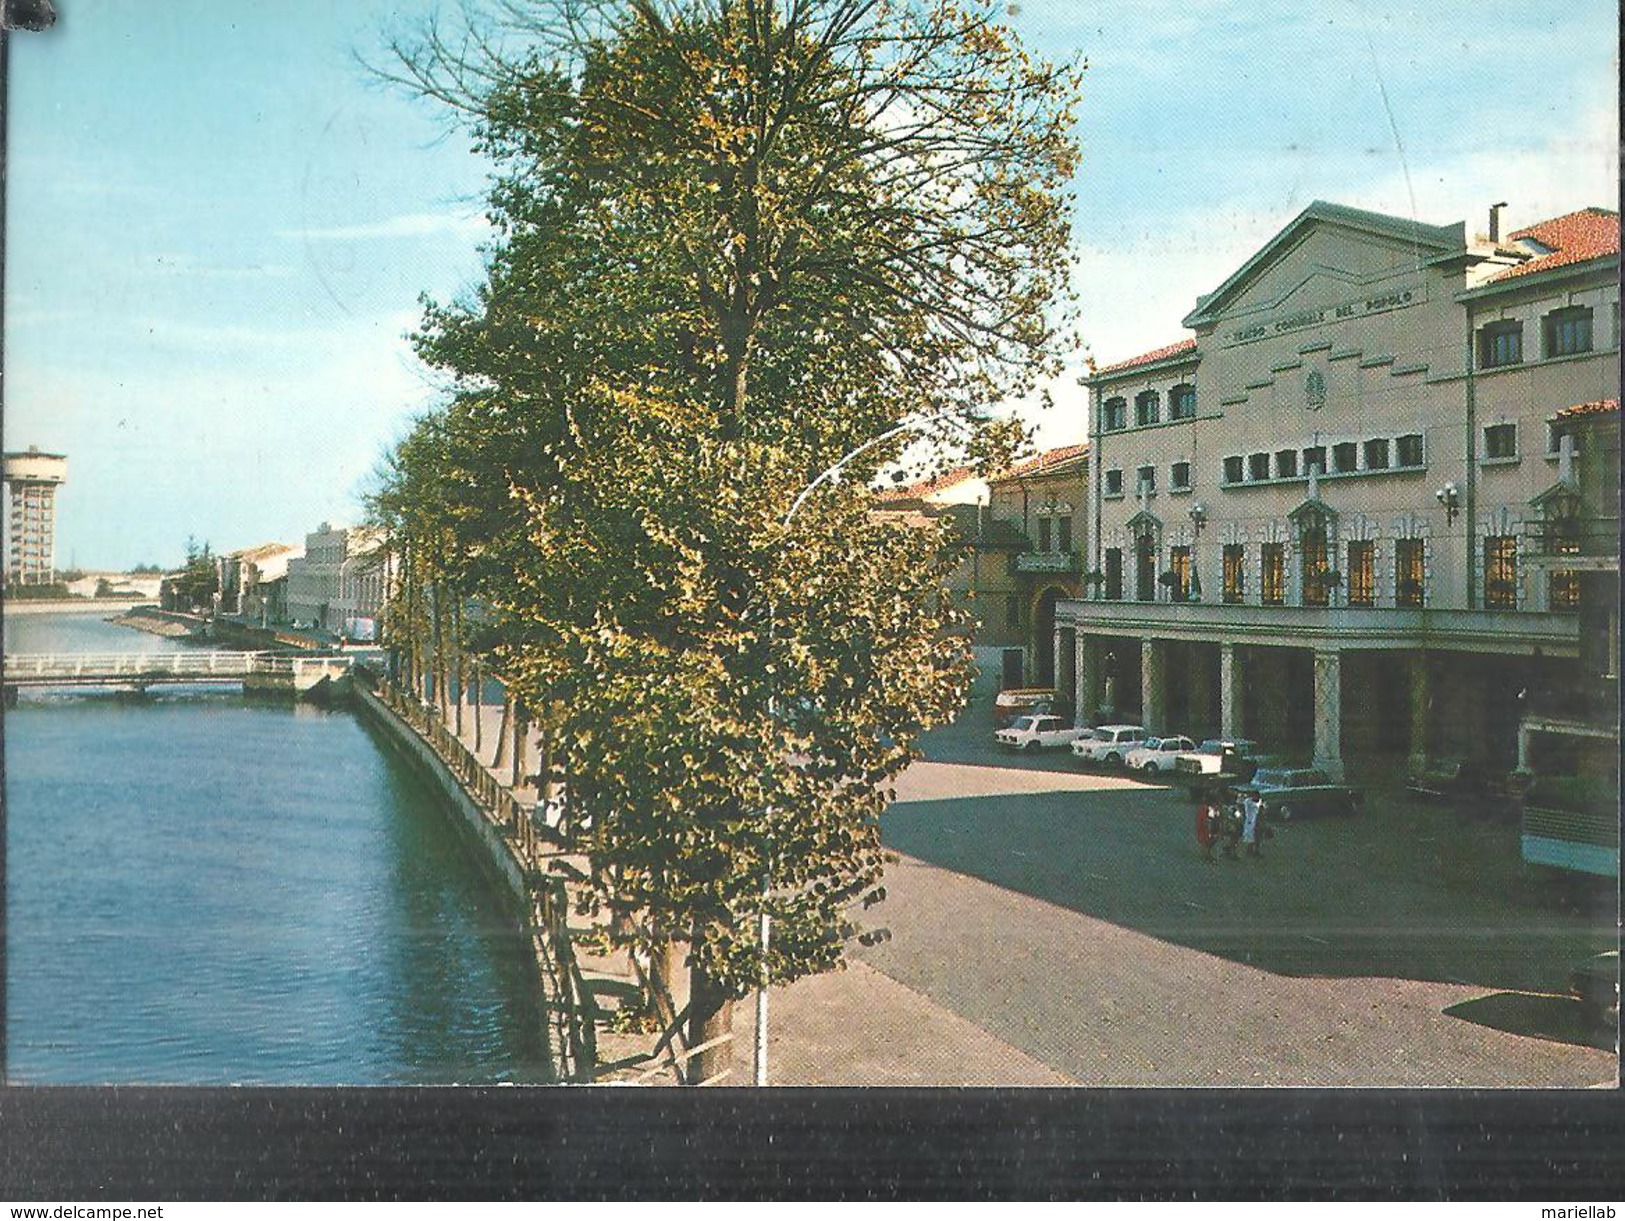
(1501, 572)
(1043, 533)
(1179, 567)
(1179, 475)
(1258, 466)
(1182, 403)
(1409, 573)
(1315, 589)
(1146, 479)
(1114, 415)
(1314, 459)
(1114, 573)
(1235, 572)
(1274, 581)
(1501, 441)
(1409, 449)
(1232, 469)
(1563, 591)
(1376, 455)
(1147, 408)
(1286, 464)
(1500, 343)
(1362, 574)
(1345, 457)
(1063, 534)
(1114, 483)
(1568, 331)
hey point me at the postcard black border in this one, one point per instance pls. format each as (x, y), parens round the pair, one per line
(810, 1144)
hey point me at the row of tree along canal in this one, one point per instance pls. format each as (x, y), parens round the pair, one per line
(204, 888)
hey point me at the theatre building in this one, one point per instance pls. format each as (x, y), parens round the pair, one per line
(1325, 519)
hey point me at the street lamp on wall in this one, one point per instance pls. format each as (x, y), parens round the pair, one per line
(1450, 497)
(1198, 513)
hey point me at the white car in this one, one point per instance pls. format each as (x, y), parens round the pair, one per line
(1157, 754)
(1037, 732)
(1109, 743)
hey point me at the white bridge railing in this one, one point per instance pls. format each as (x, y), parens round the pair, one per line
(202, 664)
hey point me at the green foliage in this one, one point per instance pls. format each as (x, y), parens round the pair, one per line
(737, 242)
(198, 581)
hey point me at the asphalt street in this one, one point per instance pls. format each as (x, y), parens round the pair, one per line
(1072, 916)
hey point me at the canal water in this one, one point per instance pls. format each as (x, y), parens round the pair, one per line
(208, 889)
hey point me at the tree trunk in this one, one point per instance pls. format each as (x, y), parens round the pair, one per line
(665, 962)
(711, 1017)
(521, 731)
(503, 726)
(479, 681)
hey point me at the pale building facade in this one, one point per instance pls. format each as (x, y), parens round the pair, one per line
(247, 578)
(1025, 533)
(1311, 519)
(341, 578)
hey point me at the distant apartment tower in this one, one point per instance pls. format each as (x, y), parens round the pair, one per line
(33, 478)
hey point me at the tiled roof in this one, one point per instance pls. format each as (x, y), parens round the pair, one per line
(929, 487)
(1146, 358)
(1599, 407)
(1577, 237)
(262, 552)
(1046, 463)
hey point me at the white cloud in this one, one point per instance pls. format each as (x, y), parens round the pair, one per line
(413, 224)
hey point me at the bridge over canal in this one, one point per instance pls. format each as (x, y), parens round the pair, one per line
(256, 671)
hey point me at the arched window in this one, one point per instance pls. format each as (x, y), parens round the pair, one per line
(1147, 408)
(1182, 402)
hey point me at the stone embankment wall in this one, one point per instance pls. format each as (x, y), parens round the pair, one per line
(521, 860)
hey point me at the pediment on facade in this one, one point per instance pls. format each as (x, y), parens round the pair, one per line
(1144, 522)
(1327, 254)
(1313, 513)
(1562, 499)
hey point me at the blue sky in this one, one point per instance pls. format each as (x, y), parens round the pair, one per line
(218, 227)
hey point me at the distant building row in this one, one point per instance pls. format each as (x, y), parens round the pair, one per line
(334, 582)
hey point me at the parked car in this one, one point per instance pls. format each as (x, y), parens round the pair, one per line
(1156, 755)
(1220, 757)
(1452, 778)
(1595, 983)
(1109, 744)
(1299, 792)
(1038, 732)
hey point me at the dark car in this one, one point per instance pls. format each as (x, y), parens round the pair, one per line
(1285, 794)
(1456, 779)
(1596, 986)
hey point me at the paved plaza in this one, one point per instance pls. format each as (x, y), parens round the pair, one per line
(1044, 916)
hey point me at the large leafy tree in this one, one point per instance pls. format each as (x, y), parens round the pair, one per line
(738, 240)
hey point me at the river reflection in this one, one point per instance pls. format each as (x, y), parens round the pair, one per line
(208, 889)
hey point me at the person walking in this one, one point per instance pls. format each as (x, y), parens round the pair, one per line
(1249, 823)
(1206, 828)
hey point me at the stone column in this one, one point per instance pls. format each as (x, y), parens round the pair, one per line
(1055, 662)
(1329, 712)
(1230, 671)
(1084, 676)
(1421, 685)
(1153, 686)
(1198, 691)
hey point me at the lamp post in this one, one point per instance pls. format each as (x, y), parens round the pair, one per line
(764, 928)
(1198, 520)
(1450, 497)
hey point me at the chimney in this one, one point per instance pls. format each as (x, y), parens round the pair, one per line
(1495, 221)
